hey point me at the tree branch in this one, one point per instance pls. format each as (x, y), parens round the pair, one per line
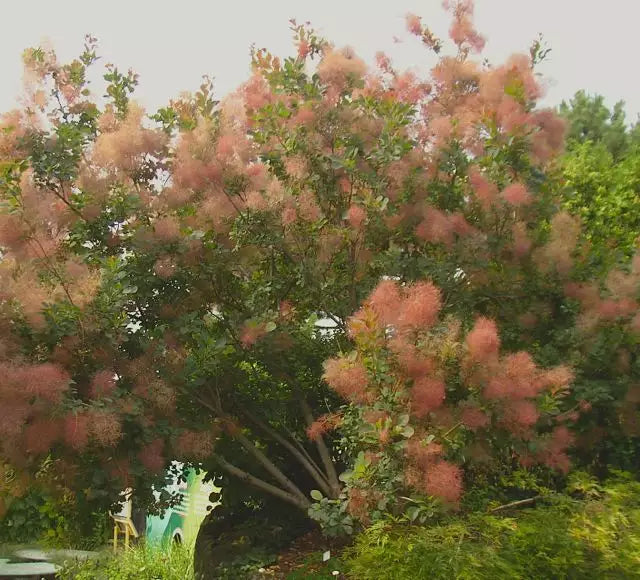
(330, 468)
(451, 430)
(514, 504)
(269, 466)
(301, 503)
(317, 475)
(62, 197)
(51, 266)
(302, 449)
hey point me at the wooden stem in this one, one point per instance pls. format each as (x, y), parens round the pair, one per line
(515, 504)
(301, 503)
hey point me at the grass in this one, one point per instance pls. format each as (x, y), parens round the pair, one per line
(141, 562)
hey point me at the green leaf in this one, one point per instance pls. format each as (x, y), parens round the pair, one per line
(408, 431)
(315, 494)
(413, 512)
(345, 476)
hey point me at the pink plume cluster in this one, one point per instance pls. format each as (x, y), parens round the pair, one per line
(122, 146)
(103, 384)
(427, 394)
(493, 390)
(106, 427)
(483, 342)
(76, 430)
(348, 378)
(462, 30)
(339, 66)
(429, 473)
(195, 444)
(420, 306)
(324, 424)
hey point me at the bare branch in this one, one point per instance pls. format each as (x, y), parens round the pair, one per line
(62, 197)
(52, 267)
(311, 468)
(515, 504)
(330, 468)
(301, 503)
(304, 451)
(269, 466)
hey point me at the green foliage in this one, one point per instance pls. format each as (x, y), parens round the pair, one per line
(539, 50)
(604, 193)
(120, 87)
(25, 521)
(591, 120)
(71, 526)
(601, 174)
(597, 536)
(137, 563)
(247, 565)
(331, 514)
(63, 520)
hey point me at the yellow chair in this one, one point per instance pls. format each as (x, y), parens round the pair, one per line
(123, 523)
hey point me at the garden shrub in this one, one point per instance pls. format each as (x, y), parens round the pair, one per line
(595, 536)
(56, 522)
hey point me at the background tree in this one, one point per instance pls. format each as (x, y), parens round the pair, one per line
(600, 170)
(591, 120)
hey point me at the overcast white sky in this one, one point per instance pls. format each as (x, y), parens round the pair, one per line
(172, 44)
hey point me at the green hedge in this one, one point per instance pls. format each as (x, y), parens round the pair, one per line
(597, 536)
